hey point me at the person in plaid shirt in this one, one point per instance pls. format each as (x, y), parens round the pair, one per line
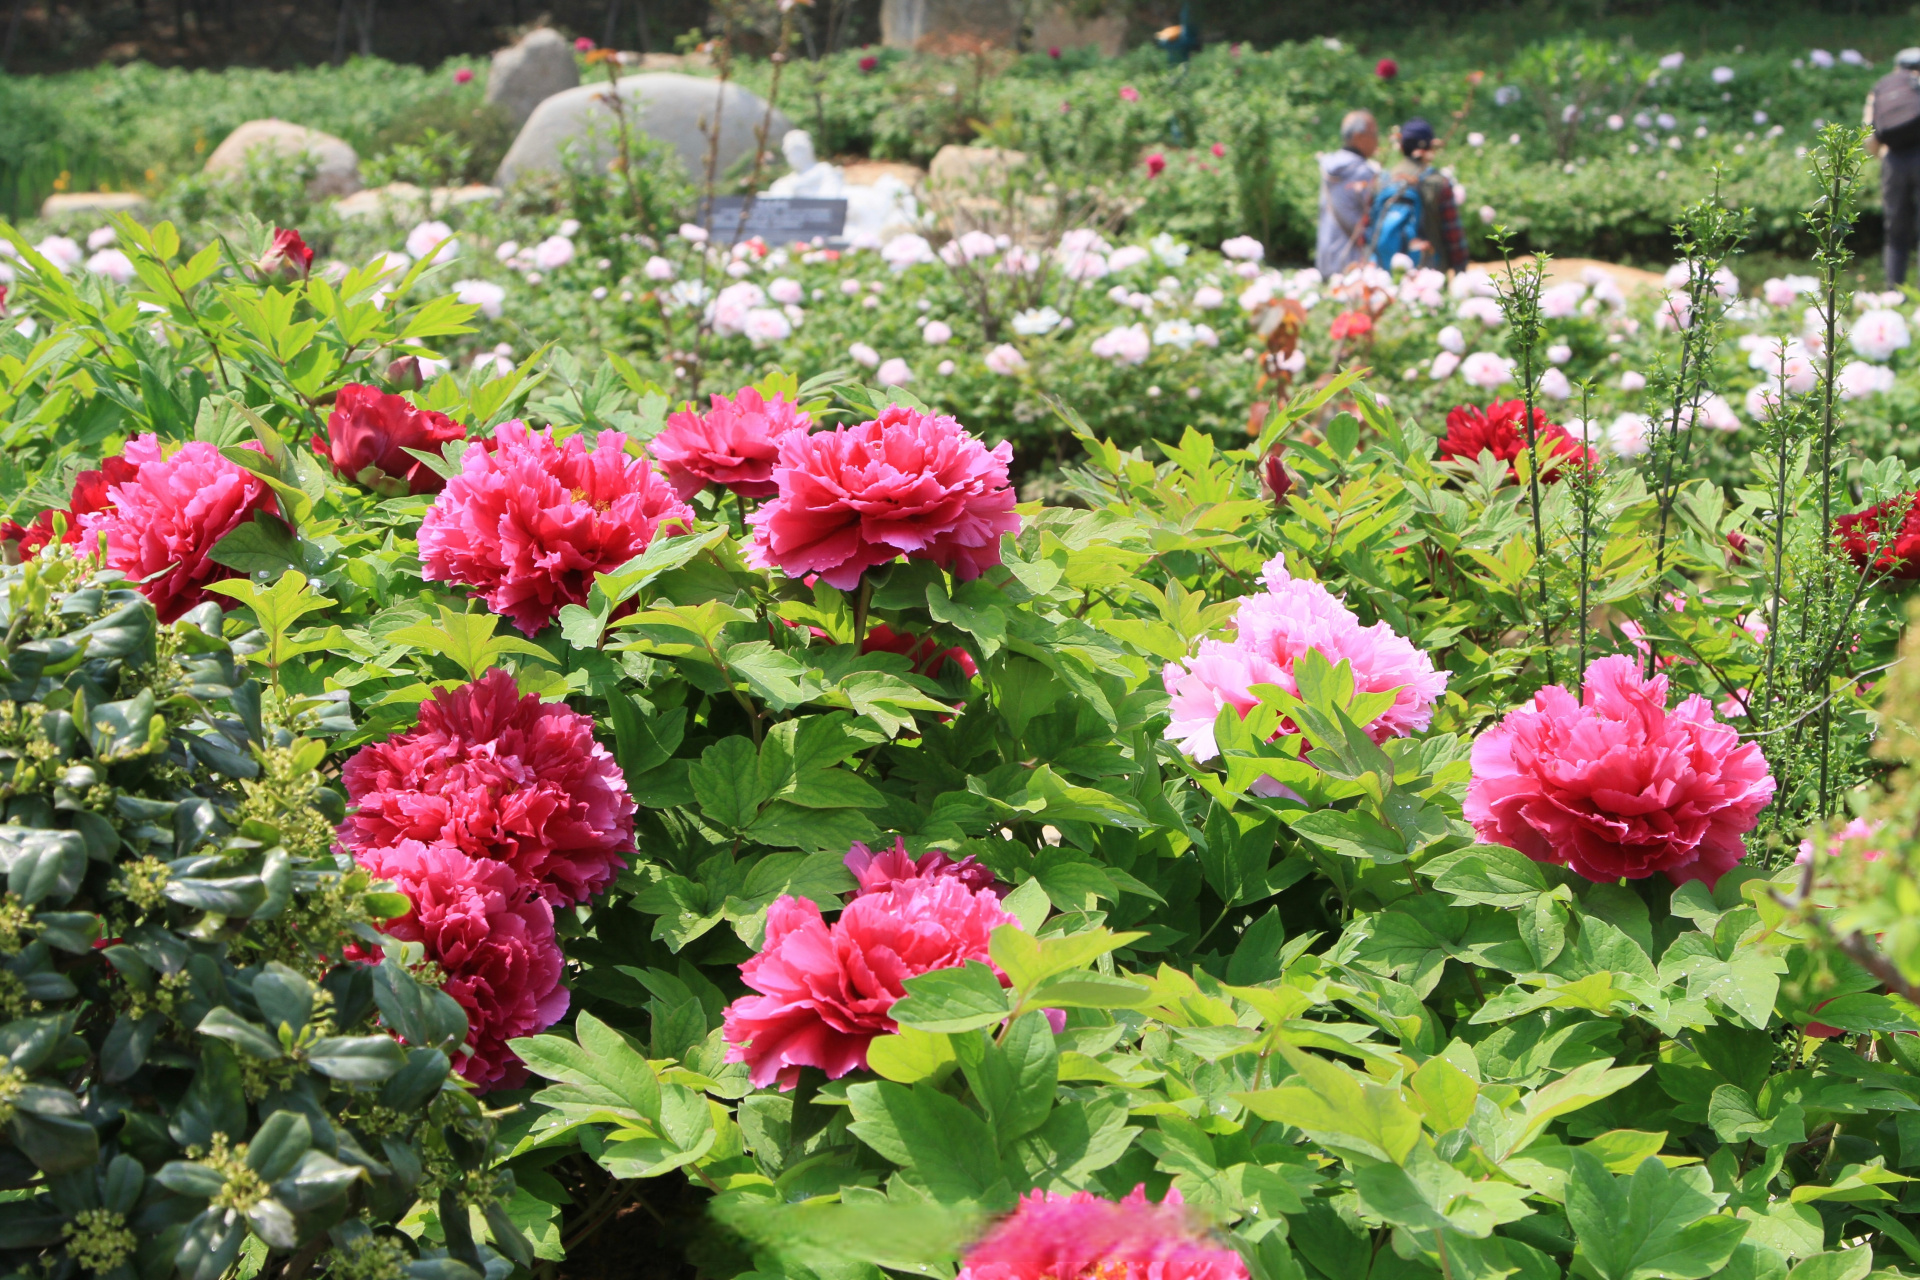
(1442, 244)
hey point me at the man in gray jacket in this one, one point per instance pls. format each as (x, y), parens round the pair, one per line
(1899, 170)
(1347, 179)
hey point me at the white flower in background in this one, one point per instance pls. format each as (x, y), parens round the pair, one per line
(1723, 75)
(937, 332)
(1485, 310)
(659, 268)
(62, 252)
(421, 242)
(570, 228)
(906, 250)
(1853, 58)
(1672, 61)
(786, 291)
(1443, 366)
(1032, 323)
(763, 325)
(794, 314)
(1632, 380)
(1476, 139)
(1424, 288)
(484, 294)
(1173, 333)
(1562, 301)
(1207, 297)
(1587, 431)
(1169, 251)
(431, 368)
(1505, 96)
(894, 373)
(1627, 435)
(1857, 380)
(1486, 370)
(1559, 353)
(1005, 360)
(1820, 58)
(1259, 293)
(1715, 412)
(688, 293)
(1472, 284)
(599, 293)
(1451, 339)
(1128, 345)
(739, 270)
(864, 354)
(1879, 333)
(1126, 257)
(552, 253)
(102, 237)
(508, 250)
(6, 272)
(112, 264)
(1203, 335)
(1616, 122)
(1118, 295)
(1554, 385)
(692, 233)
(27, 328)
(1400, 262)
(728, 315)
(945, 368)
(1243, 248)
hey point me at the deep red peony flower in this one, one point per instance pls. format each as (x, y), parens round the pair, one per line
(734, 444)
(1352, 324)
(908, 483)
(1386, 68)
(1887, 533)
(288, 253)
(1501, 430)
(878, 872)
(499, 776)
(163, 520)
(1055, 1235)
(528, 523)
(89, 496)
(369, 433)
(825, 989)
(491, 936)
(924, 652)
(1618, 785)
(869, 62)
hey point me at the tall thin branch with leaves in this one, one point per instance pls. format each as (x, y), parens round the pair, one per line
(1519, 297)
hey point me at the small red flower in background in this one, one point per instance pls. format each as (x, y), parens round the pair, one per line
(289, 253)
(1498, 430)
(1737, 543)
(3, 299)
(1219, 149)
(1386, 68)
(1888, 532)
(1156, 165)
(463, 76)
(582, 44)
(1054, 52)
(869, 62)
(924, 652)
(1274, 474)
(1351, 324)
(369, 433)
(1129, 94)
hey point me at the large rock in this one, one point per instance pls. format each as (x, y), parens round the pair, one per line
(948, 26)
(337, 167)
(527, 73)
(399, 201)
(71, 204)
(666, 107)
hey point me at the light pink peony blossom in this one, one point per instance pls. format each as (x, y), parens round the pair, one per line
(825, 989)
(878, 872)
(735, 444)
(1618, 784)
(492, 939)
(1055, 1235)
(527, 524)
(1273, 630)
(906, 484)
(503, 777)
(162, 524)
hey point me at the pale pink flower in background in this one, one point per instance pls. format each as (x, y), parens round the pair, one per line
(484, 294)
(657, 268)
(61, 251)
(1632, 380)
(764, 325)
(1451, 339)
(423, 239)
(693, 233)
(1005, 360)
(1856, 829)
(1127, 256)
(1128, 345)
(945, 368)
(976, 244)
(936, 333)
(864, 354)
(1207, 297)
(1857, 380)
(728, 314)
(893, 373)
(1129, 94)
(1715, 412)
(1676, 312)
(1559, 353)
(786, 291)
(101, 237)
(552, 253)
(906, 250)
(112, 264)
(1486, 370)
(1485, 310)
(1879, 333)
(1244, 248)
(1443, 366)
(1627, 435)
(1204, 335)
(1562, 301)
(1554, 385)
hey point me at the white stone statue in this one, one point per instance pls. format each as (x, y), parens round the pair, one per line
(884, 208)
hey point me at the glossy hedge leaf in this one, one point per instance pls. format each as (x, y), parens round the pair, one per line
(952, 1000)
(214, 1102)
(1653, 1223)
(278, 1144)
(245, 1036)
(420, 1015)
(358, 1059)
(940, 1145)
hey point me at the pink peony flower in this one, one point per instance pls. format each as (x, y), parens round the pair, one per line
(1055, 1235)
(1618, 785)
(1129, 94)
(826, 989)
(1274, 628)
(501, 777)
(463, 76)
(908, 483)
(879, 872)
(492, 939)
(162, 523)
(1856, 829)
(734, 444)
(528, 523)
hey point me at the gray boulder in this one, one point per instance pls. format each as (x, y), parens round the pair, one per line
(73, 204)
(669, 108)
(528, 72)
(337, 168)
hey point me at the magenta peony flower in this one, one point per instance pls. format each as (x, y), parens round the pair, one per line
(734, 444)
(528, 523)
(878, 872)
(1056, 1235)
(502, 777)
(1274, 629)
(162, 523)
(1618, 785)
(492, 939)
(912, 484)
(825, 989)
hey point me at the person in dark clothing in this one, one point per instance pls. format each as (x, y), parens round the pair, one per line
(1442, 243)
(1899, 182)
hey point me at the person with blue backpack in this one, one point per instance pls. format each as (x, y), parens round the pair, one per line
(1414, 211)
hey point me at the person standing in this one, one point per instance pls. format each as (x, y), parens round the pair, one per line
(1893, 112)
(1440, 242)
(1347, 179)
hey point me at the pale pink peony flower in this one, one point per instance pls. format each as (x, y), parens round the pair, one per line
(553, 253)
(61, 251)
(936, 333)
(1243, 248)
(1056, 1235)
(864, 354)
(1555, 386)
(1617, 784)
(879, 872)
(484, 294)
(502, 777)
(1272, 630)
(825, 990)
(893, 373)
(907, 483)
(1444, 366)
(786, 291)
(762, 326)
(657, 268)
(906, 250)
(492, 939)
(1129, 344)
(1005, 360)
(1207, 297)
(433, 239)
(527, 524)
(735, 444)
(113, 264)
(1878, 333)
(1858, 379)
(162, 524)
(1486, 370)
